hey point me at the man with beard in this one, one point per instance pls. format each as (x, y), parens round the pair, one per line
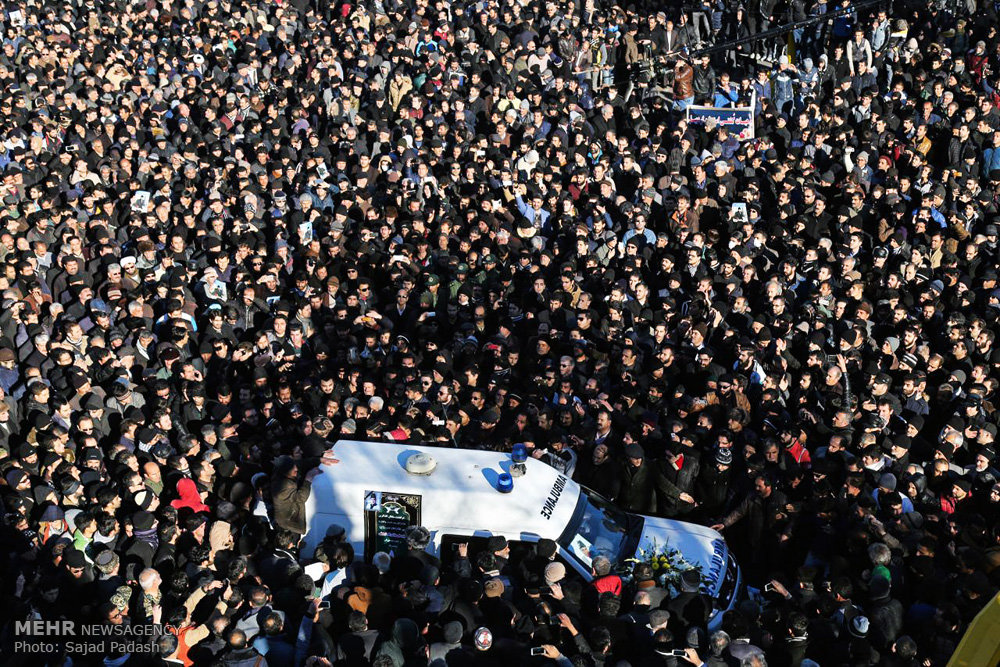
(599, 472)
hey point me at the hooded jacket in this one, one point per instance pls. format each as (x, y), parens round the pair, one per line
(404, 646)
(188, 496)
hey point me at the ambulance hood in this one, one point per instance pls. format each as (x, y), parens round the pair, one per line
(686, 545)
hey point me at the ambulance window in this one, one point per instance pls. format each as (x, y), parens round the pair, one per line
(599, 528)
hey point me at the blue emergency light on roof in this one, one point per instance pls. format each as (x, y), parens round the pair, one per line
(505, 483)
(519, 454)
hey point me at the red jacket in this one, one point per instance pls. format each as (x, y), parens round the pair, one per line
(800, 454)
(610, 583)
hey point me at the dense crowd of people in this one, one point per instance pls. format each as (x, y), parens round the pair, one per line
(233, 233)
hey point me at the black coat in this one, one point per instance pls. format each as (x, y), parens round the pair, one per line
(763, 516)
(275, 568)
(139, 551)
(886, 618)
(712, 488)
(355, 648)
(791, 652)
(604, 478)
(687, 610)
(637, 491)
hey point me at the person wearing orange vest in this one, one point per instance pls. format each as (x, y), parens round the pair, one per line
(188, 634)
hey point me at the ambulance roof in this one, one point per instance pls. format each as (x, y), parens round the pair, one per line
(461, 492)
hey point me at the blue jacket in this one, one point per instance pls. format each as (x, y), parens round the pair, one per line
(763, 92)
(278, 650)
(782, 89)
(725, 98)
(538, 218)
(991, 161)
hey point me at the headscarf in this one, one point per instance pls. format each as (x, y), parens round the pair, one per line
(149, 536)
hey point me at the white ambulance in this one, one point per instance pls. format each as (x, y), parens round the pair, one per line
(378, 490)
